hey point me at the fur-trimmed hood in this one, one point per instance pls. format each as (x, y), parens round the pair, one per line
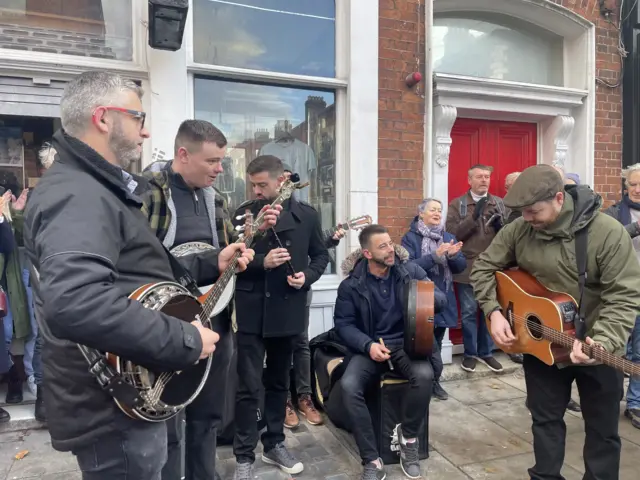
(349, 263)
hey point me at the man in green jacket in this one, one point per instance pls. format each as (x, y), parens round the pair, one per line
(542, 242)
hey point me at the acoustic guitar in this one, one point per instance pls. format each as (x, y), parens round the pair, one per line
(542, 322)
(419, 314)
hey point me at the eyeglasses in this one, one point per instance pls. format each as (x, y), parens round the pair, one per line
(139, 116)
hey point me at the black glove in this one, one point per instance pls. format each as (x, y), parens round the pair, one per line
(497, 222)
(480, 206)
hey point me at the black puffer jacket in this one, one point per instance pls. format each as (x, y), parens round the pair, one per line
(92, 247)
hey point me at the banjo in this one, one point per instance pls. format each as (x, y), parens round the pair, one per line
(419, 318)
(163, 394)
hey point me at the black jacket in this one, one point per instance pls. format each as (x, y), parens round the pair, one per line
(92, 247)
(265, 303)
(633, 229)
(354, 321)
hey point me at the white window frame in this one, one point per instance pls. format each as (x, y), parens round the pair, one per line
(23, 61)
(338, 84)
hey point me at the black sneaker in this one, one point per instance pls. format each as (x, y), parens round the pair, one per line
(244, 471)
(372, 472)
(573, 406)
(4, 416)
(493, 364)
(439, 392)
(469, 364)
(282, 458)
(409, 459)
(516, 358)
(633, 414)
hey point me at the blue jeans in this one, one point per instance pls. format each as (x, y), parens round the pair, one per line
(30, 341)
(475, 334)
(5, 359)
(633, 354)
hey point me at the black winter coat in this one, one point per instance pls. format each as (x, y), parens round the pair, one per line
(352, 315)
(92, 247)
(265, 303)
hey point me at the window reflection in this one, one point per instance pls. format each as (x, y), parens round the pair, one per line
(499, 47)
(86, 28)
(287, 36)
(297, 126)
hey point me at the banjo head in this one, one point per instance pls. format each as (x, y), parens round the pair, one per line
(166, 393)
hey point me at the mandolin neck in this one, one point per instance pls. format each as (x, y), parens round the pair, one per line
(593, 352)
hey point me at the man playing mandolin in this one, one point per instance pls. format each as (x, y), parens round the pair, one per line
(543, 243)
(369, 319)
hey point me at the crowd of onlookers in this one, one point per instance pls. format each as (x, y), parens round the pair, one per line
(447, 250)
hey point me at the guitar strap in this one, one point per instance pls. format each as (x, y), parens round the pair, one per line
(581, 260)
(106, 376)
(182, 276)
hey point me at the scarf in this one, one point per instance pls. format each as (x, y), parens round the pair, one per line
(432, 238)
(625, 209)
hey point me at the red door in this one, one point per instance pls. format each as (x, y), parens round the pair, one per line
(505, 146)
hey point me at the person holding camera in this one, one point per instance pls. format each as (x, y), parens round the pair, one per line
(474, 219)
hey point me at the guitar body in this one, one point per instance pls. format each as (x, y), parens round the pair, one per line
(529, 306)
(227, 294)
(165, 393)
(419, 318)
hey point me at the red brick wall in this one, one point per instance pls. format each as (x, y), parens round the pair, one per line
(401, 114)
(401, 120)
(608, 135)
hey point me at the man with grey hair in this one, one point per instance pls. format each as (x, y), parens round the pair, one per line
(91, 246)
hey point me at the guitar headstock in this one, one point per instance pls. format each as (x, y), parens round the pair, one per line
(357, 223)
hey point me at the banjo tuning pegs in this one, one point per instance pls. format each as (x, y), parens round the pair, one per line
(241, 217)
(240, 228)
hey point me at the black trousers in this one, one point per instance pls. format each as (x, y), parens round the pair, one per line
(137, 451)
(361, 373)
(548, 392)
(192, 434)
(302, 360)
(436, 357)
(251, 350)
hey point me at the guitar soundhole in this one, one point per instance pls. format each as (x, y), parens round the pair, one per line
(534, 326)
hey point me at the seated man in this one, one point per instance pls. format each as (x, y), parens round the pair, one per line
(369, 308)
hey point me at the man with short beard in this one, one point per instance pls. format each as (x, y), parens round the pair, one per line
(543, 243)
(369, 307)
(91, 247)
(270, 312)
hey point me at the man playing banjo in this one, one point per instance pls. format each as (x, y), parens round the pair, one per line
(369, 319)
(92, 247)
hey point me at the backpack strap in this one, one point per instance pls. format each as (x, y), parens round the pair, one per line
(463, 207)
(581, 260)
(500, 205)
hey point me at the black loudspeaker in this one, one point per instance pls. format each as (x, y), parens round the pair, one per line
(167, 19)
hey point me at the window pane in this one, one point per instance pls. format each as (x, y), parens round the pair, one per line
(85, 28)
(287, 36)
(298, 126)
(499, 47)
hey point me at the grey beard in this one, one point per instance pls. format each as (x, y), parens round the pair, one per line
(125, 151)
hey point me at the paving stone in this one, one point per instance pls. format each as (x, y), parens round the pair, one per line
(463, 436)
(629, 460)
(483, 390)
(511, 468)
(515, 417)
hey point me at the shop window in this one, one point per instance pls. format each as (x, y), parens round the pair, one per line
(21, 138)
(296, 125)
(285, 36)
(497, 47)
(85, 28)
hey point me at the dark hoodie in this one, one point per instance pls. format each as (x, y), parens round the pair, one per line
(613, 281)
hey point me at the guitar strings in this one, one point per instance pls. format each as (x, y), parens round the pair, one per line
(567, 341)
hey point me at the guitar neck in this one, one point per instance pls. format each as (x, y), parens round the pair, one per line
(593, 351)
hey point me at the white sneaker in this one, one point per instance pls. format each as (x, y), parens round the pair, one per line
(31, 383)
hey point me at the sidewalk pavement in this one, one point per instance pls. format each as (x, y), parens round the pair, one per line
(482, 432)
